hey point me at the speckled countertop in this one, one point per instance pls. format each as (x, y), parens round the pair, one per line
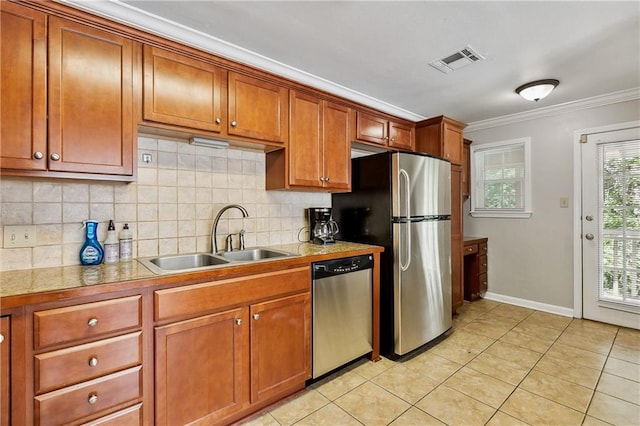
(57, 279)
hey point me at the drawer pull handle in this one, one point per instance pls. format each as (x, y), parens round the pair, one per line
(256, 316)
(92, 322)
(239, 321)
(93, 398)
(93, 361)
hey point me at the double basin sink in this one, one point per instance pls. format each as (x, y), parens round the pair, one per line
(198, 261)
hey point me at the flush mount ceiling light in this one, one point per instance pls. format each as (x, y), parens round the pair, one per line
(211, 143)
(537, 90)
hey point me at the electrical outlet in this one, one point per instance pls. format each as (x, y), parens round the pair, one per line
(564, 202)
(16, 236)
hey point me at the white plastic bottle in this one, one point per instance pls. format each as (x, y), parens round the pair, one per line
(126, 243)
(111, 245)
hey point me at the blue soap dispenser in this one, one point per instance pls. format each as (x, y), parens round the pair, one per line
(91, 252)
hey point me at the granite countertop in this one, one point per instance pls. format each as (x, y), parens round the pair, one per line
(43, 280)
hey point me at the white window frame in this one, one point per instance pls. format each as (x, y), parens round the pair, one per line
(526, 211)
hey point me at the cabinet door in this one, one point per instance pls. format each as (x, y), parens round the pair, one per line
(91, 126)
(457, 260)
(199, 368)
(280, 345)
(182, 91)
(305, 140)
(337, 126)
(257, 109)
(5, 371)
(23, 73)
(466, 168)
(401, 136)
(452, 143)
(371, 128)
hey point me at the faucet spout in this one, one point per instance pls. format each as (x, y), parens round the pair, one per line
(214, 227)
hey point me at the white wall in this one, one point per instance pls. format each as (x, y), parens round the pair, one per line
(532, 259)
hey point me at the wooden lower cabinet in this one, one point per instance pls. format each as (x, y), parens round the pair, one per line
(200, 367)
(5, 371)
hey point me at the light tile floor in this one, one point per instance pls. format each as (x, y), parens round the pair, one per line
(501, 365)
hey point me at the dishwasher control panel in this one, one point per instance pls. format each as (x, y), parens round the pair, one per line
(342, 266)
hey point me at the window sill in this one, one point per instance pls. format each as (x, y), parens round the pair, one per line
(498, 214)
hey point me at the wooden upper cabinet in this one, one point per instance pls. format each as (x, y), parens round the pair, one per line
(401, 136)
(466, 168)
(441, 136)
(258, 109)
(91, 124)
(371, 128)
(183, 91)
(319, 145)
(382, 131)
(23, 73)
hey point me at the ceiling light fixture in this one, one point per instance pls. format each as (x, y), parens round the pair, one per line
(211, 143)
(537, 90)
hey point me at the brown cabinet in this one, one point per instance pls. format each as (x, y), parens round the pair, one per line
(466, 168)
(441, 136)
(249, 344)
(5, 371)
(200, 368)
(475, 268)
(258, 109)
(93, 370)
(184, 92)
(23, 72)
(380, 130)
(318, 155)
(457, 289)
(87, 93)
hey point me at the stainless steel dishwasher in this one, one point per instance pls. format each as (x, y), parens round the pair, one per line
(342, 312)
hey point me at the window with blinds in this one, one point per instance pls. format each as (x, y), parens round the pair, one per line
(501, 179)
(619, 221)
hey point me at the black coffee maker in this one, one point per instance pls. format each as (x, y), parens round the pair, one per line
(322, 227)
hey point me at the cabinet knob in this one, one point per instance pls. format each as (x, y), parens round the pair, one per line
(93, 361)
(234, 123)
(256, 316)
(92, 322)
(589, 236)
(239, 321)
(393, 139)
(326, 179)
(218, 120)
(55, 156)
(1, 338)
(93, 398)
(38, 155)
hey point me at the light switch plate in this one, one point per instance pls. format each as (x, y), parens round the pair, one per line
(16, 236)
(564, 202)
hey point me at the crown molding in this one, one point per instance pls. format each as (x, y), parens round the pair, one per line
(126, 14)
(593, 102)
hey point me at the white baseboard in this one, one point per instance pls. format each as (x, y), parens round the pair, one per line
(544, 307)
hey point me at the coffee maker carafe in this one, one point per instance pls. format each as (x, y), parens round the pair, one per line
(322, 227)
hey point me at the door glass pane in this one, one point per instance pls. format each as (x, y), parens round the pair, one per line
(619, 221)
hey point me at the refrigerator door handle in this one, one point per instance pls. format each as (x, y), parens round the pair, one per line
(404, 266)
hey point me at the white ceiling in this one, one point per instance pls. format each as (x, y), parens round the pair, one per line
(382, 50)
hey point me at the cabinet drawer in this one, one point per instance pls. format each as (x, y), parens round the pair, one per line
(482, 248)
(470, 249)
(57, 369)
(63, 325)
(75, 402)
(482, 264)
(483, 284)
(206, 297)
(131, 416)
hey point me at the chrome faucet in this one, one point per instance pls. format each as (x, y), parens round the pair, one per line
(214, 228)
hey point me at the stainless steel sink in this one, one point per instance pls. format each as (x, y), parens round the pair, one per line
(183, 262)
(199, 261)
(254, 254)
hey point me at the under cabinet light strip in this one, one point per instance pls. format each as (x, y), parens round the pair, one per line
(211, 143)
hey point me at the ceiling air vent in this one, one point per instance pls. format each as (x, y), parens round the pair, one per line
(457, 60)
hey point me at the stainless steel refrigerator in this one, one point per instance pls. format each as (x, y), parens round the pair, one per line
(402, 201)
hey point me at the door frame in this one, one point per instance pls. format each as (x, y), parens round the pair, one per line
(577, 207)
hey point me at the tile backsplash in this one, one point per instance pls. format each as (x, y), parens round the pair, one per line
(170, 209)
